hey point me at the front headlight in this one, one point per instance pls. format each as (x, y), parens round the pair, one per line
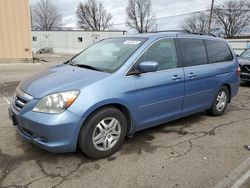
(56, 103)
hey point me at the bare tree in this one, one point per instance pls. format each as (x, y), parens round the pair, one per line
(140, 16)
(196, 23)
(232, 17)
(45, 16)
(93, 16)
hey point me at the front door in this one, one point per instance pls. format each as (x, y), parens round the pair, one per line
(160, 93)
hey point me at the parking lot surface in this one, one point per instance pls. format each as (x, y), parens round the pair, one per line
(196, 151)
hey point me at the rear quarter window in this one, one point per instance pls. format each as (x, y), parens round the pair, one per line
(218, 51)
(193, 52)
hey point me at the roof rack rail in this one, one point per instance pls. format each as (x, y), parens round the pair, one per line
(195, 33)
(185, 31)
(164, 31)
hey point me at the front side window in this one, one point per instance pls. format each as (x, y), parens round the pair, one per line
(108, 55)
(218, 51)
(193, 52)
(163, 52)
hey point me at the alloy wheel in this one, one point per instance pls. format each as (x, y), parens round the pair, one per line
(106, 134)
(221, 101)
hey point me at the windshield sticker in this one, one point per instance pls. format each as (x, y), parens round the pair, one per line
(132, 42)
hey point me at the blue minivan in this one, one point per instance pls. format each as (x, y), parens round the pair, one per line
(122, 85)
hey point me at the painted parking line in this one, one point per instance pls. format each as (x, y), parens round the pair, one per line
(7, 100)
(235, 178)
(3, 104)
(242, 180)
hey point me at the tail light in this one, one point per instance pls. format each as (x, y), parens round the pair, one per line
(238, 71)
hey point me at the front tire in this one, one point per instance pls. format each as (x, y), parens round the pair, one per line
(103, 133)
(220, 102)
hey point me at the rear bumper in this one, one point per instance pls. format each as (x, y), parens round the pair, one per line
(54, 133)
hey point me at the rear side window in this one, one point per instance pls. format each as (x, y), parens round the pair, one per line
(218, 51)
(193, 52)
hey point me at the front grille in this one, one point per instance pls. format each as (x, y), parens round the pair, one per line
(19, 102)
(20, 99)
(245, 69)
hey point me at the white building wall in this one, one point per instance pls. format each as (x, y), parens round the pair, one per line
(68, 41)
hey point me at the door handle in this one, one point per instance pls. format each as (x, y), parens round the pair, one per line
(176, 77)
(192, 75)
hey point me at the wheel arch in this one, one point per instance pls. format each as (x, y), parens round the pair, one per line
(118, 105)
(229, 90)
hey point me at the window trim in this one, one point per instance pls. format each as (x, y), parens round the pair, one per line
(180, 51)
(232, 56)
(130, 69)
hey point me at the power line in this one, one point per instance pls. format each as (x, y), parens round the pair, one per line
(182, 14)
(176, 15)
(195, 12)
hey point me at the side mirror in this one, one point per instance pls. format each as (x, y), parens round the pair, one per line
(148, 66)
(237, 55)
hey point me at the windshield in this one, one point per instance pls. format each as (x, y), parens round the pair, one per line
(107, 55)
(246, 54)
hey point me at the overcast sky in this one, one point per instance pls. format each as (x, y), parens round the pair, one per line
(161, 8)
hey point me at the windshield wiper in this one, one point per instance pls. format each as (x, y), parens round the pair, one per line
(87, 67)
(69, 62)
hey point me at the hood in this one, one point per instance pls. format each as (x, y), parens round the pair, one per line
(59, 78)
(244, 61)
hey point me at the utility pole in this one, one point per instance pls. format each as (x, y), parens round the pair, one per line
(210, 17)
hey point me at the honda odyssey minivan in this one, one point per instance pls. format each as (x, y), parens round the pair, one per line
(122, 85)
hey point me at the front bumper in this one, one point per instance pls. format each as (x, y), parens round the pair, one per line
(54, 133)
(245, 72)
(245, 76)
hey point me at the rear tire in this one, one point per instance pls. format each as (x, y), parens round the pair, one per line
(103, 133)
(220, 102)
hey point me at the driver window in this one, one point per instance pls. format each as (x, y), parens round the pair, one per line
(162, 52)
